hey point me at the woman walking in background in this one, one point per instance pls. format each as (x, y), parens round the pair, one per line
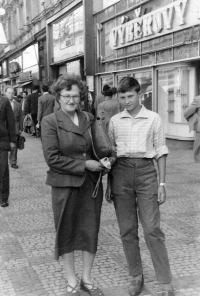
(73, 174)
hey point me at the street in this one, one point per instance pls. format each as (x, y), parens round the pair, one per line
(27, 234)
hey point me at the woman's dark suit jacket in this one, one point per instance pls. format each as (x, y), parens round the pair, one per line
(64, 148)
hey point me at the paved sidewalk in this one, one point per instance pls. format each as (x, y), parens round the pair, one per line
(27, 267)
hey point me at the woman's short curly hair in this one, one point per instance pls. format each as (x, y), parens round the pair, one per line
(65, 82)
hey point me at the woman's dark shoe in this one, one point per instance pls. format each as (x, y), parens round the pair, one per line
(136, 287)
(94, 291)
(73, 292)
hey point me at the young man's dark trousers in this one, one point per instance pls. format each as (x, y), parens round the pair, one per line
(4, 176)
(134, 187)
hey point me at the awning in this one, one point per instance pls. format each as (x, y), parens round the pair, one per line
(25, 83)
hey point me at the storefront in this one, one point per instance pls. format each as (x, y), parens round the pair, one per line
(157, 42)
(66, 43)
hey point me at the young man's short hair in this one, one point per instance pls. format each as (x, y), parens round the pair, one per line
(127, 84)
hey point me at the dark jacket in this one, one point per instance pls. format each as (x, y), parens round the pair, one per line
(7, 124)
(32, 103)
(64, 148)
(46, 105)
(18, 117)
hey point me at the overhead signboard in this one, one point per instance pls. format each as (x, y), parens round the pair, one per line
(178, 15)
(3, 39)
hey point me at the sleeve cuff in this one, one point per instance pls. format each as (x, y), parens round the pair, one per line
(163, 150)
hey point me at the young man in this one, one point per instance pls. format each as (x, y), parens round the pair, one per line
(138, 137)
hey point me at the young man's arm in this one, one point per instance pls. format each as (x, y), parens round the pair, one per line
(162, 152)
(162, 175)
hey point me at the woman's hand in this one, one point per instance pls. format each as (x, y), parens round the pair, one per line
(93, 166)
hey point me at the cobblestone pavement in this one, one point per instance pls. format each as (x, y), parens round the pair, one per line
(27, 234)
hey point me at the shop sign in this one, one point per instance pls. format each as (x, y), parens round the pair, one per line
(162, 21)
(25, 76)
(68, 36)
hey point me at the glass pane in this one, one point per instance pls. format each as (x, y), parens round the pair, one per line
(187, 35)
(148, 59)
(134, 62)
(107, 80)
(175, 87)
(164, 56)
(145, 80)
(186, 51)
(121, 65)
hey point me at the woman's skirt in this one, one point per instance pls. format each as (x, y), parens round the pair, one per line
(77, 217)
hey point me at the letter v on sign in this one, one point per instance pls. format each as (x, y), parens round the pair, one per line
(138, 11)
(180, 11)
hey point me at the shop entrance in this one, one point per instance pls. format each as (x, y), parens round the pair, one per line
(176, 88)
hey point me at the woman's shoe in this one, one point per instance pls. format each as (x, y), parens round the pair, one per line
(73, 292)
(94, 291)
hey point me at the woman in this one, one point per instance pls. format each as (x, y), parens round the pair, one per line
(72, 174)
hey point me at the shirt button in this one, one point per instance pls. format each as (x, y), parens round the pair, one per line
(84, 154)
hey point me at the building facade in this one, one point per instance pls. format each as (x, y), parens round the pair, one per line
(46, 39)
(157, 42)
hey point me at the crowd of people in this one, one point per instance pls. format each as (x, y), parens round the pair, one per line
(138, 140)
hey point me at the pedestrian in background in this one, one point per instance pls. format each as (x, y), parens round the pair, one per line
(24, 104)
(73, 174)
(32, 106)
(108, 108)
(138, 137)
(100, 98)
(192, 114)
(7, 143)
(17, 111)
(46, 104)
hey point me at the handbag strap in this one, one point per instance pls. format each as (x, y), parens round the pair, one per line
(90, 133)
(96, 189)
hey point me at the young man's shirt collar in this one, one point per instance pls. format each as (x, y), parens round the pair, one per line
(143, 113)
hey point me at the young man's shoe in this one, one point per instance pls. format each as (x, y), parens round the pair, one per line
(5, 204)
(136, 287)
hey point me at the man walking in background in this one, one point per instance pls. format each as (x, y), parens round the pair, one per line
(7, 142)
(17, 111)
(32, 106)
(46, 104)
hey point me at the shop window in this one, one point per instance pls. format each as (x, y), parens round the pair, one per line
(175, 87)
(145, 81)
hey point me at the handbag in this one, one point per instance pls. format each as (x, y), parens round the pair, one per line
(20, 142)
(101, 143)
